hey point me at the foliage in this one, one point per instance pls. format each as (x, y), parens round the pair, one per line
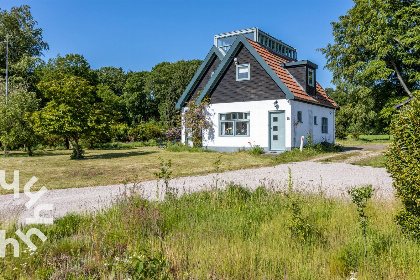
(70, 110)
(112, 77)
(173, 134)
(371, 76)
(195, 121)
(141, 105)
(25, 43)
(360, 196)
(16, 119)
(402, 162)
(355, 135)
(179, 147)
(165, 175)
(146, 131)
(166, 82)
(256, 150)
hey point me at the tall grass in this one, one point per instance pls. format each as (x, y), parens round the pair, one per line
(222, 234)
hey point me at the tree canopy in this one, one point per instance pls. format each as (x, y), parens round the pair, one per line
(375, 58)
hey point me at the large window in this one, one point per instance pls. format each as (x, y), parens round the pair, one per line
(324, 127)
(242, 72)
(234, 124)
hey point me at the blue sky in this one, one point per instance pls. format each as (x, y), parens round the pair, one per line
(137, 34)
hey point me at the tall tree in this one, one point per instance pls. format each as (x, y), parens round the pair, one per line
(25, 43)
(375, 57)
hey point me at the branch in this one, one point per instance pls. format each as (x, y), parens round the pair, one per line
(394, 65)
(399, 42)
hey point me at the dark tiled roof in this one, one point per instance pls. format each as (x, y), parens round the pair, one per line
(275, 60)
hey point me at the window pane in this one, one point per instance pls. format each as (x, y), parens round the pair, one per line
(275, 137)
(233, 116)
(243, 72)
(222, 117)
(241, 128)
(227, 128)
(240, 116)
(275, 119)
(275, 128)
(228, 116)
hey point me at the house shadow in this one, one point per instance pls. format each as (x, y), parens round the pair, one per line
(118, 155)
(352, 149)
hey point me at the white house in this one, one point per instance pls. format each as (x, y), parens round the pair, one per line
(260, 94)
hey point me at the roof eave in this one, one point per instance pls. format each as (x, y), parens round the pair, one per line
(198, 75)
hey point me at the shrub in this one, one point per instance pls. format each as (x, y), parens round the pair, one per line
(120, 132)
(146, 131)
(173, 134)
(340, 132)
(256, 150)
(402, 162)
(355, 135)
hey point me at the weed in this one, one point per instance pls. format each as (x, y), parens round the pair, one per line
(165, 175)
(360, 197)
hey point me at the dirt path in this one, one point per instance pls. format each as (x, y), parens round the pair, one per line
(333, 179)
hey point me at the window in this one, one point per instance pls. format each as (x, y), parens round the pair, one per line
(324, 127)
(299, 116)
(234, 124)
(311, 77)
(315, 120)
(242, 72)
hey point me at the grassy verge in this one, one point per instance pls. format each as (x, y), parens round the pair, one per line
(135, 164)
(231, 234)
(375, 161)
(340, 157)
(365, 139)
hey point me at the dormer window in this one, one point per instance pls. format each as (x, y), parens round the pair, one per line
(243, 72)
(311, 77)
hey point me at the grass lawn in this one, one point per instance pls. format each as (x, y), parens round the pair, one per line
(55, 170)
(365, 139)
(230, 234)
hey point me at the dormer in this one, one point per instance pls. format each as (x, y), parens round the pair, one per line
(304, 72)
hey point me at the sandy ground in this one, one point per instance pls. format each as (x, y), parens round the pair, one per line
(333, 179)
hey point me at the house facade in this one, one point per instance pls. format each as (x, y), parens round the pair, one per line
(260, 94)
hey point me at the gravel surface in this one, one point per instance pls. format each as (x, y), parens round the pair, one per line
(333, 179)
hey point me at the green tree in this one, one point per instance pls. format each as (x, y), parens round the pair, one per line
(375, 57)
(141, 105)
(166, 82)
(26, 44)
(69, 111)
(112, 77)
(16, 119)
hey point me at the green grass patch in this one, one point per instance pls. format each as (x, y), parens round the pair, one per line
(230, 234)
(365, 139)
(375, 161)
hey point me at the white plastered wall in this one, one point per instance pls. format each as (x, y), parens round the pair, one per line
(308, 113)
(259, 126)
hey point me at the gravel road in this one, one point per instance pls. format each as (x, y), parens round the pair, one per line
(331, 178)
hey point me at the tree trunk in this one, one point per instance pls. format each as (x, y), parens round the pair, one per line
(67, 143)
(394, 65)
(30, 153)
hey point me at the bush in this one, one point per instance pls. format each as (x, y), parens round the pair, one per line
(340, 132)
(256, 151)
(355, 135)
(146, 131)
(402, 162)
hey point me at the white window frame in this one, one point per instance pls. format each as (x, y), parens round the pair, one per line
(311, 82)
(324, 125)
(234, 119)
(237, 72)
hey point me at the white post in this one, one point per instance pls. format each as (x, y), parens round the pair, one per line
(301, 143)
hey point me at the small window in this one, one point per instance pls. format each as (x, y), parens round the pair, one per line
(234, 124)
(242, 72)
(311, 77)
(324, 128)
(299, 116)
(315, 120)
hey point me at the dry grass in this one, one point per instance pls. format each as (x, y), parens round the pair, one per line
(55, 170)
